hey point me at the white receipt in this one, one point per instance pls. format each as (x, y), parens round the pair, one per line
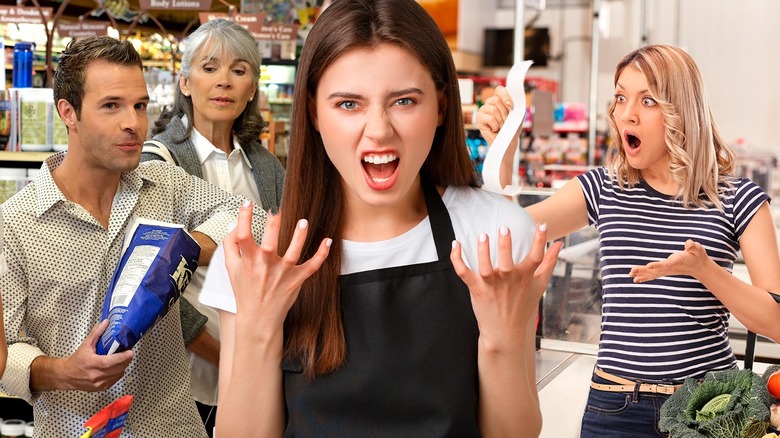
(490, 168)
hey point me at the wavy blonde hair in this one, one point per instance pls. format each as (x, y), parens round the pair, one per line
(699, 158)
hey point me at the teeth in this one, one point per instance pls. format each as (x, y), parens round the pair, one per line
(380, 159)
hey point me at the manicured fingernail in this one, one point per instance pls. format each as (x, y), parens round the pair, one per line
(303, 224)
(482, 238)
(508, 103)
(246, 203)
(503, 230)
(543, 226)
(328, 242)
(454, 243)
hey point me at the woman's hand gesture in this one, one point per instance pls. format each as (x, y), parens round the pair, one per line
(687, 262)
(266, 285)
(505, 298)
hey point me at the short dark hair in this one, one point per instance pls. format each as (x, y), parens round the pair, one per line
(69, 78)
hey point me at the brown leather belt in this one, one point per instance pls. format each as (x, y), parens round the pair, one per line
(625, 385)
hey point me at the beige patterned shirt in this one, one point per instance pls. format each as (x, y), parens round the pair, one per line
(60, 263)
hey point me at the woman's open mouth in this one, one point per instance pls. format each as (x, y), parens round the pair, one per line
(632, 141)
(380, 169)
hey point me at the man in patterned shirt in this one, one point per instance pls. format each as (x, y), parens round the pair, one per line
(63, 239)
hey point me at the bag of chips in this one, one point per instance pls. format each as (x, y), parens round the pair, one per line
(156, 264)
(109, 421)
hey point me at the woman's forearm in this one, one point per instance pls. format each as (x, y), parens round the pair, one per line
(509, 404)
(251, 399)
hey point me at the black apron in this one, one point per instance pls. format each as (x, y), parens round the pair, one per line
(411, 367)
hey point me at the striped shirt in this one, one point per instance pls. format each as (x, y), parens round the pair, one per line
(673, 327)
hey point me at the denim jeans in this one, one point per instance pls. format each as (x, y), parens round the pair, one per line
(617, 414)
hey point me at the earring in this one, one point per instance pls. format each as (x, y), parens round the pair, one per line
(185, 94)
(251, 98)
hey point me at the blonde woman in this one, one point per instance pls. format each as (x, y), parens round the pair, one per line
(671, 218)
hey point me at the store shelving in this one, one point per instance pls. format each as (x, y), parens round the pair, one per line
(277, 82)
(23, 160)
(23, 157)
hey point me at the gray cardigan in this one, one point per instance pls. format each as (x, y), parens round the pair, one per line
(269, 177)
(266, 168)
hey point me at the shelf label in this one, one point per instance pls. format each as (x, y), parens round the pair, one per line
(19, 14)
(277, 32)
(208, 16)
(85, 28)
(255, 24)
(251, 22)
(182, 5)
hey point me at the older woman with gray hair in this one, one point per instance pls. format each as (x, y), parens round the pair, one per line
(212, 131)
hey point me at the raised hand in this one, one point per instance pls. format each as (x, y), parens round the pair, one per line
(505, 298)
(686, 262)
(493, 113)
(266, 285)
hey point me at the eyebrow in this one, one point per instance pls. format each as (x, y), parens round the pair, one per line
(218, 59)
(398, 93)
(118, 98)
(619, 85)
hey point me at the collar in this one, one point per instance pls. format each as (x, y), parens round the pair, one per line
(48, 194)
(204, 148)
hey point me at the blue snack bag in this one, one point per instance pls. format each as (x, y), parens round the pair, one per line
(156, 264)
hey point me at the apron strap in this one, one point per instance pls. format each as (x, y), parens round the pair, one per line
(439, 217)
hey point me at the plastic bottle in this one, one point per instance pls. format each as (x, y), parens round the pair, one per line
(37, 114)
(11, 181)
(23, 65)
(12, 429)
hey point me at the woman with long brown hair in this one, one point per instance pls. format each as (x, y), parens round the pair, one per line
(372, 306)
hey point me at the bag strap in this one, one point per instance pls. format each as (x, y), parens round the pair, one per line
(157, 148)
(750, 342)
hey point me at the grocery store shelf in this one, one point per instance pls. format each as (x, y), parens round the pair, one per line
(26, 157)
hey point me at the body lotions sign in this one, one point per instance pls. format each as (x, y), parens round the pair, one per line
(197, 5)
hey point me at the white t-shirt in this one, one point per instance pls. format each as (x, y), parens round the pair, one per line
(232, 173)
(472, 211)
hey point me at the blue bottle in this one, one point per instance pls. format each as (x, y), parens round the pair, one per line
(23, 65)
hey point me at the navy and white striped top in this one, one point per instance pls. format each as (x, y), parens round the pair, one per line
(670, 328)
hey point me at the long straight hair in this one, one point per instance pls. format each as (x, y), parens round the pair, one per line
(699, 158)
(314, 332)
